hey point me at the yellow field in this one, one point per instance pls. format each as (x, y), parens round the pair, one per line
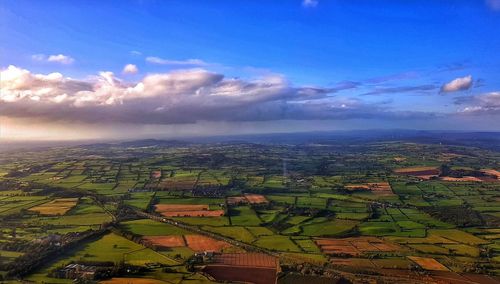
(55, 207)
(428, 263)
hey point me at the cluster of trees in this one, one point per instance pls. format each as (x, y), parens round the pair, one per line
(462, 216)
(447, 171)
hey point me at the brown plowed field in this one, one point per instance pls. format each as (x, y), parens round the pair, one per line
(178, 184)
(233, 200)
(423, 172)
(428, 263)
(165, 241)
(255, 198)
(256, 275)
(355, 246)
(246, 259)
(467, 178)
(202, 243)
(492, 173)
(380, 188)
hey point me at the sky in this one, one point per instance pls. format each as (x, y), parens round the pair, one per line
(158, 69)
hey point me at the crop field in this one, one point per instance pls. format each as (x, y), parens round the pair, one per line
(428, 263)
(237, 233)
(202, 243)
(162, 210)
(421, 172)
(246, 267)
(165, 241)
(55, 207)
(187, 210)
(255, 198)
(355, 246)
(244, 216)
(147, 227)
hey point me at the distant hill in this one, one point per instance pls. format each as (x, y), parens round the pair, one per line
(154, 143)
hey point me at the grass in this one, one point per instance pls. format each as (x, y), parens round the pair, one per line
(147, 227)
(352, 216)
(278, 243)
(430, 249)
(268, 216)
(260, 231)
(330, 228)
(86, 206)
(244, 216)
(284, 199)
(459, 236)
(462, 249)
(312, 202)
(80, 219)
(237, 233)
(295, 220)
(410, 225)
(10, 254)
(377, 228)
(307, 245)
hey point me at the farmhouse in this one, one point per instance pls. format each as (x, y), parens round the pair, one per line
(76, 271)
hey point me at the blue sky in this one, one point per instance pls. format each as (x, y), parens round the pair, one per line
(391, 59)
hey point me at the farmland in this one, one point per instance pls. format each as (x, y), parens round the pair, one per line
(162, 211)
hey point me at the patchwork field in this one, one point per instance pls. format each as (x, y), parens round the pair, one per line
(161, 210)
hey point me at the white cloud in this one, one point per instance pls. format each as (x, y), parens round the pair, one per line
(161, 61)
(310, 3)
(136, 53)
(61, 58)
(485, 103)
(182, 96)
(58, 58)
(130, 69)
(458, 84)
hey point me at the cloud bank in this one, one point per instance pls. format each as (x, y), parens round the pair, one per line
(488, 103)
(181, 96)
